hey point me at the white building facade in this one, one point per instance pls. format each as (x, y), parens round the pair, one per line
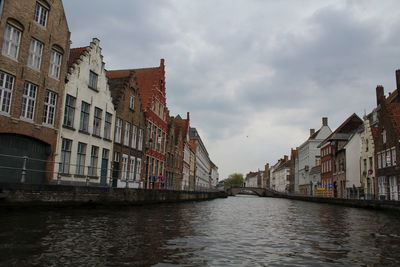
(203, 163)
(368, 178)
(85, 137)
(353, 177)
(309, 156)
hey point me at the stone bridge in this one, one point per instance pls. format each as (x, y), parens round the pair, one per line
(259, 191)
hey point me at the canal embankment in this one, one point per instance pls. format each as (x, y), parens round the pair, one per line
(389, 205)
(67, 195)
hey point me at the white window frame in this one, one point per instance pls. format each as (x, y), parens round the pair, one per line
(55, 64)
(124, 168)
(138, 168)
(118, 130)
(7, 82)
(35, 54)
(134, 136)
(132, 164)
(50, 103)
(29, 101)
(41, 14)
(11, 42)
(127, 131)
(85, 117)
(140, 143)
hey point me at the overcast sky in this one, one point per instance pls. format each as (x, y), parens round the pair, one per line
(255, 75)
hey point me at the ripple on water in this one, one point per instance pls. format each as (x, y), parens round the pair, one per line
(237, 231)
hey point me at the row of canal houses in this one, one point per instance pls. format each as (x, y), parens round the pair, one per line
(65, 118)
(358, 159)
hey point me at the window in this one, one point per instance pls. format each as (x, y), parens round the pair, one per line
(84, 122)
(107, 126)
(388, 158)
(127, 133)
(35, 54)
(94, 156)
(6, 87)
(132, 168)
(138, 168)
(28, 100)
(394, 160)
(69, 112)
(124, 167)
(49, 107)
(65, 155)
(132, 102)
(41, 14)
(134, 136)
(12, 37)
(92, 80)
(80, 159)
(379, 160)
(384, 136)
(55, 64)
(140, 144)
(97, 121)
(118, 130)
(117, 155)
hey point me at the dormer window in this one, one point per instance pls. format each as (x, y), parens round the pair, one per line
(41, 14)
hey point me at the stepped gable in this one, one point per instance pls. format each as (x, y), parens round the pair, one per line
(118, 81)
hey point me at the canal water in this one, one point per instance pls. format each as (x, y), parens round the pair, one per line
(237, 231)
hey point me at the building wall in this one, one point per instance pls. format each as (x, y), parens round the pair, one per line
(368, 172)
(128, 157)
(282, 179)
(100, 97)
(353, 178)
(54, 35)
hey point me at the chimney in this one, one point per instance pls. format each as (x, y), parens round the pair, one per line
(187, 116)
(285, 158)
(398, 79)
(312, 131)
(324, 121)
(380, 94)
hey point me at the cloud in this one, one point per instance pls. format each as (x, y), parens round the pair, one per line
(268, 70)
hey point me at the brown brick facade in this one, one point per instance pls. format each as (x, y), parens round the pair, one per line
(54, 36)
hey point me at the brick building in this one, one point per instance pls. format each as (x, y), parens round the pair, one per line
(152, 91)
(35, 39)
(387, 142)
(333, 157)
(184, 149)
(130, 128)
(174, 162)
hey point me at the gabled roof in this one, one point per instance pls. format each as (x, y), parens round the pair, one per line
(347, 127)
(148, 81)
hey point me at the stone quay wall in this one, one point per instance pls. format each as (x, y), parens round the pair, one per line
(66, 195)
(356, 203)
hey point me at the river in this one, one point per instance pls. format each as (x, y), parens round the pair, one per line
(237, 231)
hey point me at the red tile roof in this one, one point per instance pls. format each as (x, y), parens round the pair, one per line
(75, 54)
(148, 81)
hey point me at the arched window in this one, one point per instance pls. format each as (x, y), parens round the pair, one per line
(12, 38)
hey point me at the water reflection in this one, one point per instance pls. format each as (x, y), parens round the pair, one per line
(243, 230)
